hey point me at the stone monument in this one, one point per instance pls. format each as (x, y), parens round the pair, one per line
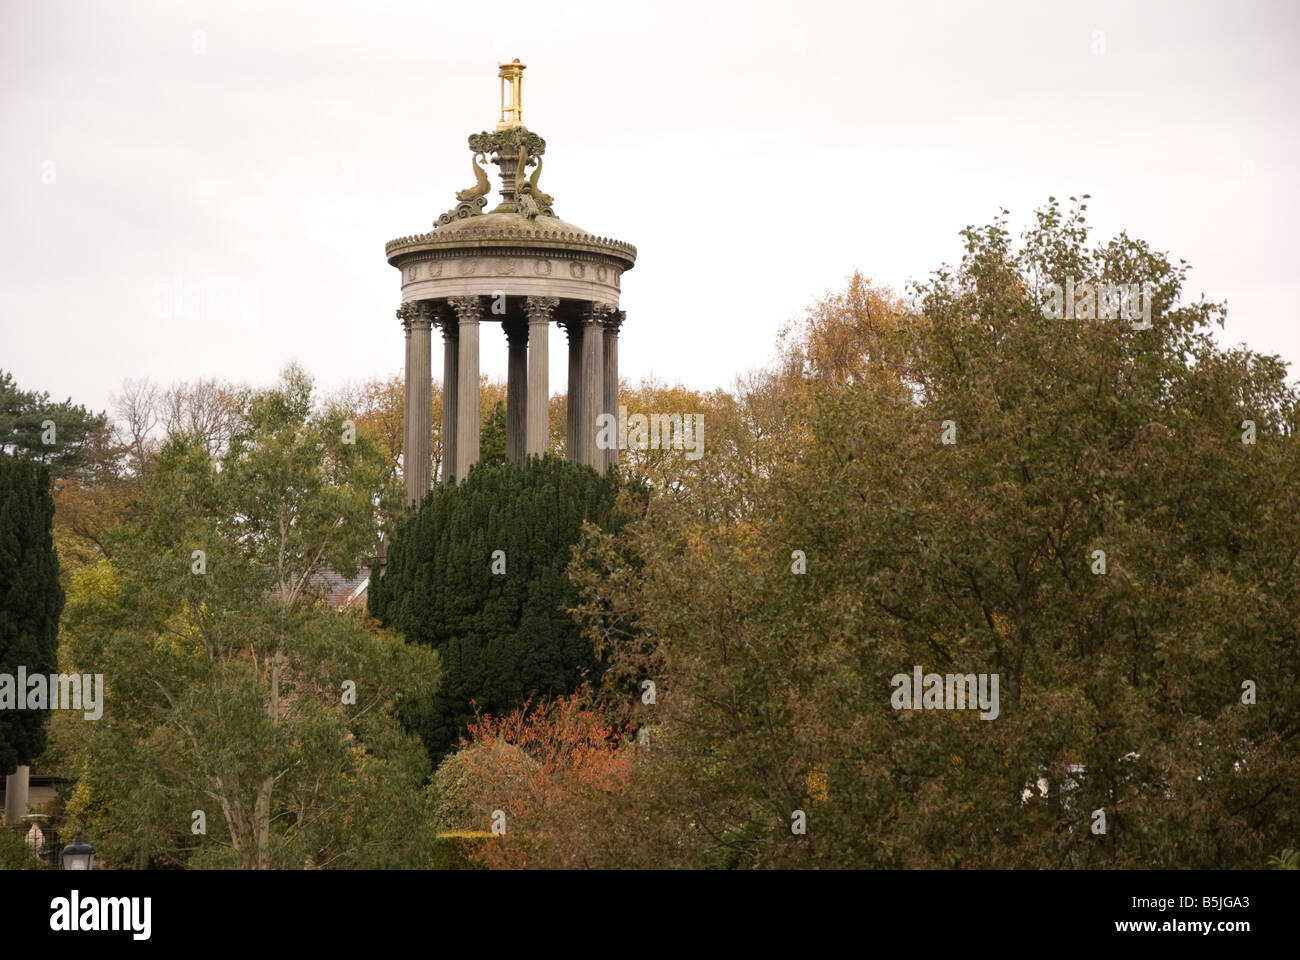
(519, 265)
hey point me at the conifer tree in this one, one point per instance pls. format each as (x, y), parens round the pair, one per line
(503, 636)
(30, 599)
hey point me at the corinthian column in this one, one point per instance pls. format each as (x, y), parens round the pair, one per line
(573, 400)
(404, 313)
(538, 429)
(593, 382)
(469, 311)
(420, 387)
(610, 403)
(516, 388)
(450, 360)
(16, 787)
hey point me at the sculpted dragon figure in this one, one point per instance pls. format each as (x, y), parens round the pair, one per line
(481, 184)
(530, 199)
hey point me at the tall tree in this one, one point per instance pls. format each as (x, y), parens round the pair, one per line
(1102, 513)
(492, 440)
(31, 601)
(478, 574)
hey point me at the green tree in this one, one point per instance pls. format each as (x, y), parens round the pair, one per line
(31, 601)
(502, 636)
(230, 689)
(492, 440)
(1120, 691)
(67, 437)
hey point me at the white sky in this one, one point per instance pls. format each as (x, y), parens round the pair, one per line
(756, 153)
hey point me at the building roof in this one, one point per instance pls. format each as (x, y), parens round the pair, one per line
(338, 591)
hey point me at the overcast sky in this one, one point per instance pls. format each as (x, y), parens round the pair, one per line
(756, 154)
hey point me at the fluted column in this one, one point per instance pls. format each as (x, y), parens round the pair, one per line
(16, 789)
(573, 400)
(593, 382)
(469, 311)
(538, 429)
(421, 395)
(516, 388)
(404, 313)
(450, 363)
(610, 403)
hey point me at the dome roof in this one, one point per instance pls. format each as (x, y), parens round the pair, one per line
(501, 222)
(509, 229)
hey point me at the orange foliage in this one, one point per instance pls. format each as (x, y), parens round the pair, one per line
(575, 756)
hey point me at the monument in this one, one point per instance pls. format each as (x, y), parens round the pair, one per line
(519, 265)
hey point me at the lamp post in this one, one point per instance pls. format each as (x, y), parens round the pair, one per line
(78, 855)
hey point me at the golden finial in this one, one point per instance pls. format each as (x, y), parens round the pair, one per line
(511, 101)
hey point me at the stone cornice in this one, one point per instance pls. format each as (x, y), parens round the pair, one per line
(523, 239)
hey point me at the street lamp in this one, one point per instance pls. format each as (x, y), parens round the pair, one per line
(78, 855)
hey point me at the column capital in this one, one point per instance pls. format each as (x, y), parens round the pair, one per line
(540, 309)
(516, 333)
(614, 320)
(468, 309)
(406, 313)
(596, 314)
(424, 314)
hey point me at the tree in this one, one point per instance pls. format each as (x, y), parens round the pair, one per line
(59, 434)
(205, 412)
(868, 544)
(492, 440)
(376, 408)
(477, 573)
(31, 601)
(230, 691)
(543, 772)
(104, 491)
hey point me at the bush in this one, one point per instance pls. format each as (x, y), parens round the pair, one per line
(453, 851)
(15, 854)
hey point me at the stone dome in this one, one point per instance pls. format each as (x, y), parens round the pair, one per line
(511, 230)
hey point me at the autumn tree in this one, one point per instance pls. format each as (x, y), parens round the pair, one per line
(542, 776)
(91, 502)
(1099, 511)
(246, 725)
